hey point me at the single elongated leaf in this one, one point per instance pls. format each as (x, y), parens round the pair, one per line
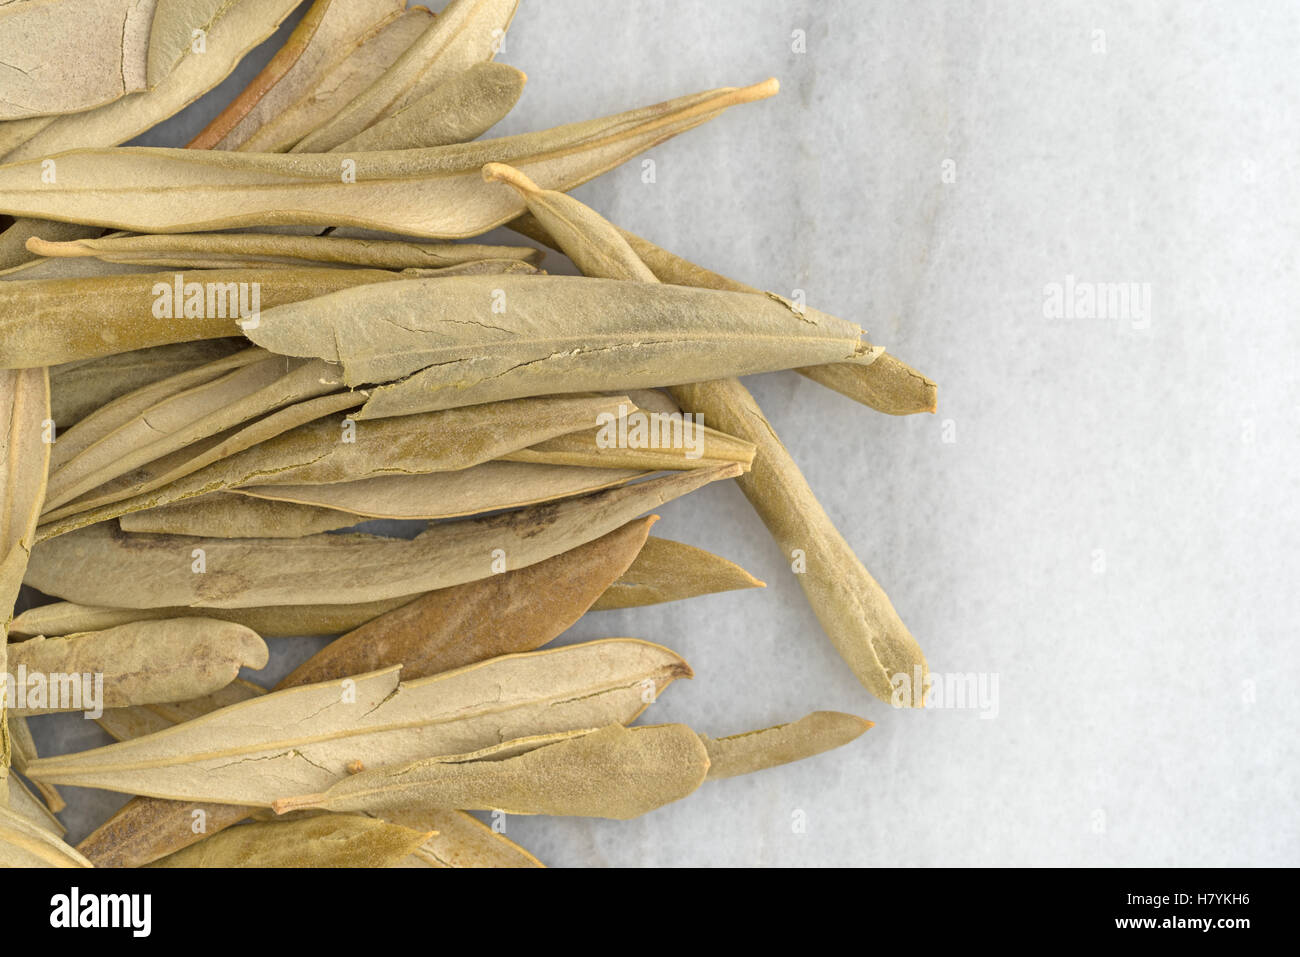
(476, 339)
(516, 611)
(665, 570)
(78, 389)
(225, 515)
(64, 56)
(305, 738)
(330, 840)
(435, 193)
(356, 67)
(580, 232)
(25, 844)
(614, 772)
(886, 384)
(215, 250)
(853, 609)
(461, 109)
(483, 488)
(100, 564)
(467, 32)
(43, 322)
(192, 416)
(669, 571)
(769, 747)
(269, 621)
(296, 67)
(24, 460)
(143, 662)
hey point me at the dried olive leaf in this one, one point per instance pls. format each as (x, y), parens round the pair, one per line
(24, 459)
(25, 804)
(170, 474)
(571, 226)
(466, 32)
(298, 66)
(514, 611)
(25, 844)
(230, 27)
(224, 515)
(853, 609)
(489, 487)
(462, 840)
(476, 339)
(194, 415)
(358, 65)
(319, 452)
(43, 322)
(78, 389)
(328, 840)
(781, 744)
(614, 772)
(106, 420)
(463, 108)
(269, 621)
(100, 564)
(15, 133)
(519, 610)
(291, 741)
(213, 250)
(435, 193)
(138, 720)
(146, 661)
(670, 571)
(65, 56)
(24, 753)
(665, 570)
(886, 384)
(703, 447)
(66, 268)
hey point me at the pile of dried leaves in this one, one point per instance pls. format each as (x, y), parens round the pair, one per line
(244, 346)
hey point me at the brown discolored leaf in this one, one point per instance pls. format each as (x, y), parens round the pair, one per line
(516, 611)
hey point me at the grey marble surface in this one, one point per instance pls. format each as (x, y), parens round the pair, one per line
(1102, 515)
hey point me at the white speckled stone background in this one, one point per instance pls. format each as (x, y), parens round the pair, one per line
(1102, 513)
